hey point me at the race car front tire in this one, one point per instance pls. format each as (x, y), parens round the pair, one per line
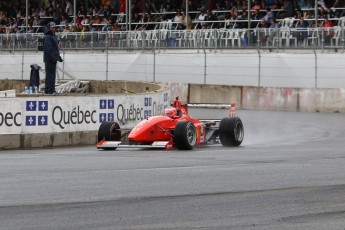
(231, 131)
(109, 131)
(185, 135)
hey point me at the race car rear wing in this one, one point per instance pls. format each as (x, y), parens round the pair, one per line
(232, 107)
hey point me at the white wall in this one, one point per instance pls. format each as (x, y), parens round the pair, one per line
(299, 68)
(56, 114)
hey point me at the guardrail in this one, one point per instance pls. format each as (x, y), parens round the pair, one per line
(261, 38)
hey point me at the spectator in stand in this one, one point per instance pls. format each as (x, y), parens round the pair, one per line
(149, 20)
(78, 20)
(212, 18)
(122, 9)
(243, 17)
(269, 15)
(57, 21)
(243, 6)
(64, 37)
(178, 4)
(274, 24)
(225, 7)
(30, 29)
(106, 24)
(50, 9)
(163, 11)
(91, 28)
(328, 29)
(42, 12)
(115, 27)
(257, 5)
(256, 17)
(288, 10)
(107, 11)
(2, 15)
(35, 12)
(18, 22)
(82, 9)
(134, 9)
(105, 20)
(136, 18)
(192, 6)
(97, 19)
(187, 22)
(64, 21)
(148, 8)
(338, 12)
(323, 13)
(298, 14)
(178, 19)
(85, 20)
(92, 19)
(302, 25)
(106, 2)
(69, 8)
(203, 6)
(263, 24)
(274, 30)
(202, 18)
(18, 13)
(36, 21)
(90, 11)
(84, 28)
(100, 11)
(327, 23)
(58, 8)
(277, 4)
(234, 10)
(11, 12)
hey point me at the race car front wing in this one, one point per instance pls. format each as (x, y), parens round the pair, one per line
(112, 145)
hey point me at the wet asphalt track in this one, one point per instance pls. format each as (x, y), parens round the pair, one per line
(289, 174)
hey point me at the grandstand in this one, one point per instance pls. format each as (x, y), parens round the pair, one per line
(159, 24)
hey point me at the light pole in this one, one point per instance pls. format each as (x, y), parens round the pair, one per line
(26, 15)
(74, 13)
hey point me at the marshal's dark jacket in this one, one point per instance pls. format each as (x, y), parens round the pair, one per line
(51, 51)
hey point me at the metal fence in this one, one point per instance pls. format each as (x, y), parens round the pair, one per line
(282, 38)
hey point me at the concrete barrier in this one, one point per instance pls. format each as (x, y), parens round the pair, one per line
(222, 94)
(8, 93)
(17, 85)
(322, 100)
(271, 98)
(249, 98)
(38, 120)
(255, 98)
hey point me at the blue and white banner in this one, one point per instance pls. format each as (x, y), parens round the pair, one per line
(77, 113)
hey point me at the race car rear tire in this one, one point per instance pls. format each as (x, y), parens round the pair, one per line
(185, 135)
(109, 131)
(231, 131)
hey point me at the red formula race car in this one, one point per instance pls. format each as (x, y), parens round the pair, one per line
(174, 129)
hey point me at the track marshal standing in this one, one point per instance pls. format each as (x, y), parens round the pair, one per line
(51, 55)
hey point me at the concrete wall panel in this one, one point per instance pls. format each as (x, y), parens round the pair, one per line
(285, 99)
(215, 94)
(322, 100)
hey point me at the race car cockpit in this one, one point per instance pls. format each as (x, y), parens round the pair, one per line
(170, 112)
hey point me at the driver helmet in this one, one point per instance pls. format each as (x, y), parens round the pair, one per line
(170, 112)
